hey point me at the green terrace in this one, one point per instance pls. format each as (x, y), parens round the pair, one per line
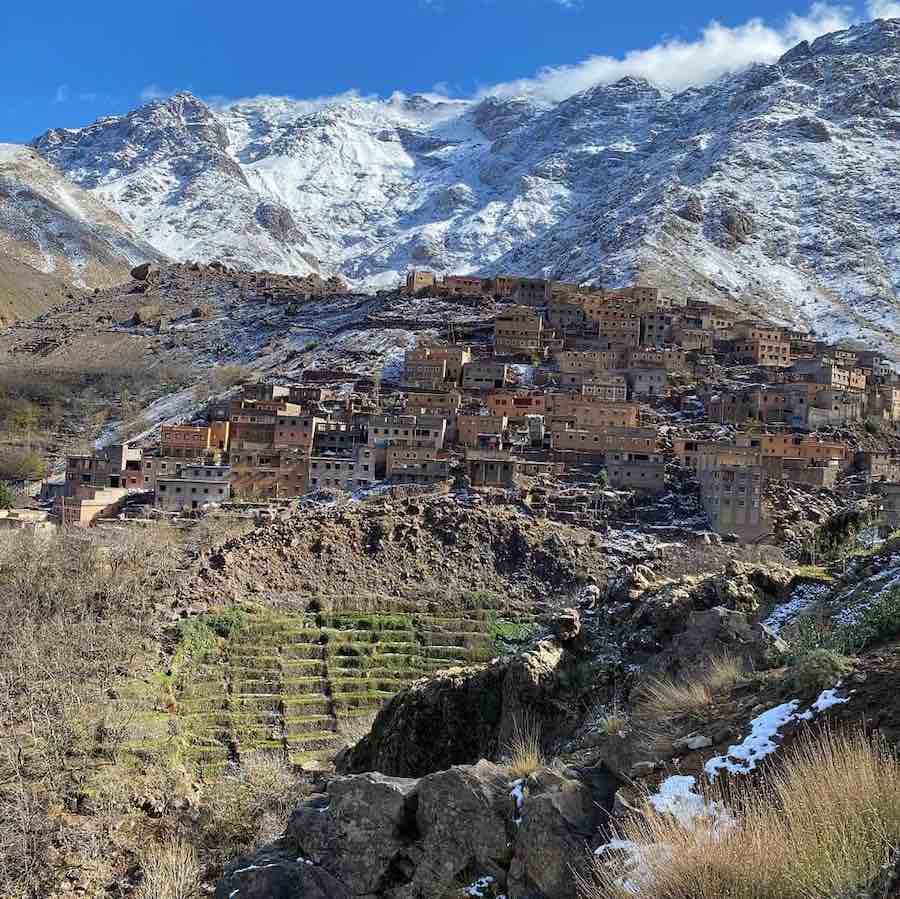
(304, 684)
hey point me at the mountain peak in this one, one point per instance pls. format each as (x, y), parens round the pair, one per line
(621, 181)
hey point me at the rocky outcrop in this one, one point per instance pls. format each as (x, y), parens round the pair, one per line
(738, 224)
(387, 547)
(719, 632)
(144, 271)
(692, 211)
(377, 836)
(462, 715)
(648, 613)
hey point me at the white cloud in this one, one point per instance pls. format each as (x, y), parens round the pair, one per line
(676, 63)
(883, 9)
(153, 92)
(62, 94)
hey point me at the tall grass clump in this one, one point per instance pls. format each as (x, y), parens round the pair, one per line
(524, 748)
(822, 826)
(666, 698)
(170, 871)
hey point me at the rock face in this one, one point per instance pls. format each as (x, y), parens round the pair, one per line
(60, 229)
(397, 838)
(718, 632)
(460, 716)
(607, 185)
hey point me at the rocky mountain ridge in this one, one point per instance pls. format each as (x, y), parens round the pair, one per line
(773, 188)
(52, 226)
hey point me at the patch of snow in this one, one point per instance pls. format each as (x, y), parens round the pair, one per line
(802, 598)
(256, 868)
(479, 888)
(760, 742)
(639, 864)
(676, 796)
(518, 794)
(827, 699)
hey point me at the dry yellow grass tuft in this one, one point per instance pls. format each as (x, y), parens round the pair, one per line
(170, 871)
(614, 722)
(723, 672)
(665, 698)
(823, 825)
(524, 748)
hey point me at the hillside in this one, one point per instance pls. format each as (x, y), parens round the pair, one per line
(774, 187)
(26, 292)
(53, 226)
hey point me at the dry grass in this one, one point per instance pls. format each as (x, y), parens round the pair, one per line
(241, 813)
(170, 871)
(665, 698)
(524, 748)
(613, 722)
(822, 826)
(77, 620)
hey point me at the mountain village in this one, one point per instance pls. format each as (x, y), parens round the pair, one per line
(625, 390)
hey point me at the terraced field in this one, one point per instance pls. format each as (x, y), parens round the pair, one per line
(301, 684)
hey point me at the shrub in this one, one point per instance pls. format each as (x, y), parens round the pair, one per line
(524, 748)
(723, 673)
(244, 811)
(7, 497)
(170, 872)
(818, 669)
(226, 623)
(823, 825)
(507, 634)
(21, 464)
(666, 698)
(878, 621)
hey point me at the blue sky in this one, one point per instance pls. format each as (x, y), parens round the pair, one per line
(65, 64)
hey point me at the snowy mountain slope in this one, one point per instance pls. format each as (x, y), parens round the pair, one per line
(776, 188)
(56, 227)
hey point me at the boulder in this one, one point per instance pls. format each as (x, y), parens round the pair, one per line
(738, 224)
(144, 271)
(358, 831)
(376, 836)
(692, 211)
(465, 824)
(566, 625)
(474, 710)
(276, 874)
(717, 632)
(560, 817)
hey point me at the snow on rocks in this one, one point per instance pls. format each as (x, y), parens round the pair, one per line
(760, 742)
(804, 597)
(677, 796)
(479, 888)
(764, 732)
(827, 699)
(518, 794)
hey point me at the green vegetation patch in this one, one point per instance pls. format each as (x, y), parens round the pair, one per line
(508, 634)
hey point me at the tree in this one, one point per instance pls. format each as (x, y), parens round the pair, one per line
(25, 418)
(7, 498)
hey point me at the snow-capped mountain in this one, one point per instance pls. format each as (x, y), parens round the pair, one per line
(57, 227)
(777, 187)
